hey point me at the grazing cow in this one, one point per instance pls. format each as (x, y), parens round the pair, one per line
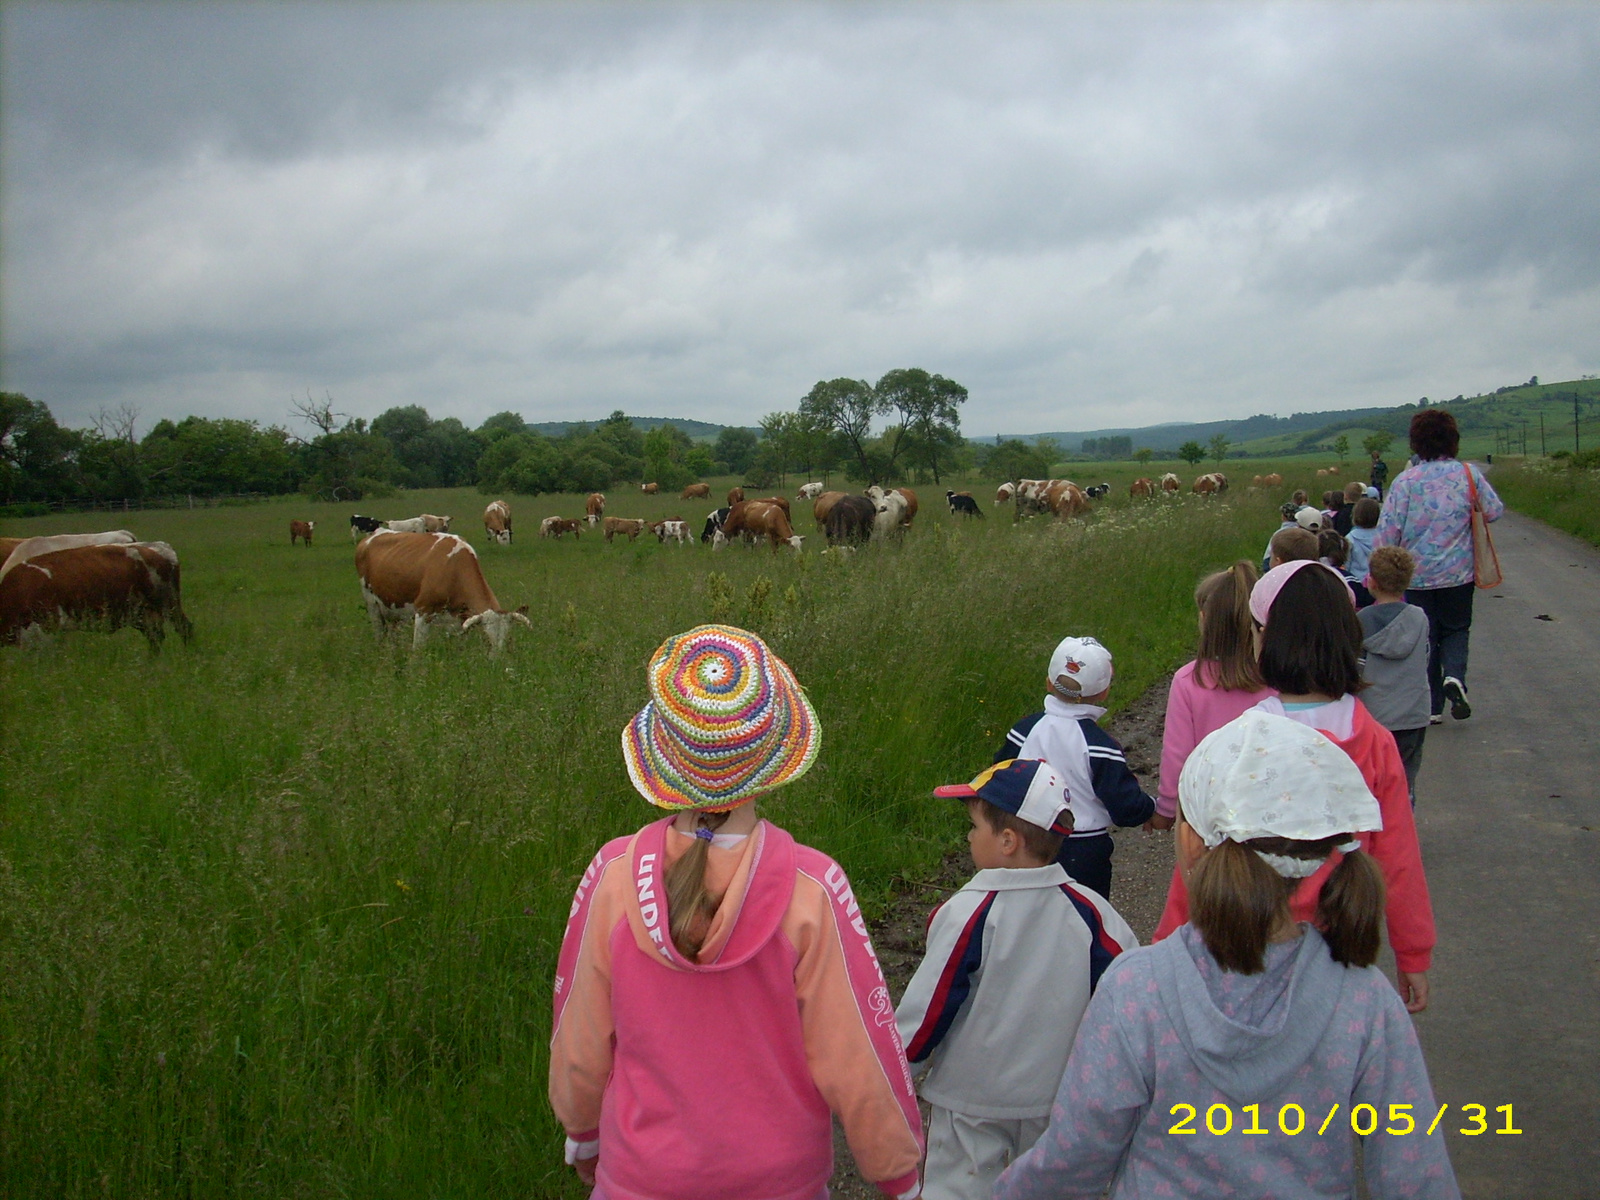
(1170, 483)
(824, 505)
(910, 498)
(697, 491)
(1066, 499)
(1141, 488)
(16, 551)
(409, 525)
(431, 578)
(714, 520)
(97, 587)
(781, 501)
(809, 491)
(891, 516)
(497, 522)
(1097, 491)
(649, 489)
(758, 519)
(849, 520)
(433, 524)
(594, 508)
(616, 525)
(554, 527)
(1003, 493)
(735, 495)
(1205, 485)
(962, 503)
(361, 526)
(301, 529)
(672, 528)
(1273, 480)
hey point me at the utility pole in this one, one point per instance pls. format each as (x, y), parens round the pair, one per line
(1543, 453)
(1575, 446)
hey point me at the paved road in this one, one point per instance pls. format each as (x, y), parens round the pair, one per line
(1508, 810)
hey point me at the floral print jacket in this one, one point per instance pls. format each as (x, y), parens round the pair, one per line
(1428, 511)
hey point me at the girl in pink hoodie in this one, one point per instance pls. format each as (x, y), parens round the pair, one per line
(717, 997)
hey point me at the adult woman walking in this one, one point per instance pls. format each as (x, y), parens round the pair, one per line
(1428, 510)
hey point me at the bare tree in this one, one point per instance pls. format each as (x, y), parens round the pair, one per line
(118, 424)
(318, 412)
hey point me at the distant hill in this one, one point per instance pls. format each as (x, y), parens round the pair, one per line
(699, 431)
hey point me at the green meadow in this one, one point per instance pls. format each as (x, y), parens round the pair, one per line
(279, 908)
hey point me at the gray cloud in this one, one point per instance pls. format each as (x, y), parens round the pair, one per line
(1089, 215)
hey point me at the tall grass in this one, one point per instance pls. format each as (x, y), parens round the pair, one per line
(1563, 496)
(279, 910)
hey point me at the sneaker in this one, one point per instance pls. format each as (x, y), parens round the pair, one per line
(1455, 692)
(1436, 719)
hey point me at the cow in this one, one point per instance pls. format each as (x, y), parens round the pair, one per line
(408, 525)
(697, 491)
(1141, 488)
(1273, 480)
(735, 495)
(361, 526)
(433, 578)
(714, 520)
(497, 522)
(781, 501)
(616, 525)
(1003, 493)
(649, 489)
(809, 491)
(301, 529)
(1097, 491)
(1205, 485)
(891, 515)
(554, 527)
(877, 494)
(96, 587)
(1170, 483)
(1222, 481)
(16, 551)
(758, 519)
(824, 505)
(433, 524)
(962, 503)
(594, 508)
(673, 528)
(849, 520)
(1067, 500)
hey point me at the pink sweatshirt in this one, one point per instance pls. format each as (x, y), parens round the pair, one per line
(716, 1079)
(1193, 711)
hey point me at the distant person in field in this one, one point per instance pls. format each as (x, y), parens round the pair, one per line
(1222, 682)
(1309, 651)
(715, 1003)
(1104, 792)
(1429, 512)
(1380, 474)
(1013, 957)
(1395, 639)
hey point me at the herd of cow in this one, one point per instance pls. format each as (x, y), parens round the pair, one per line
(416, 569)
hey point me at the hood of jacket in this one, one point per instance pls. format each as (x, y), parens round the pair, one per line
(756, 880)
(1250, 1059)
(1396, 630)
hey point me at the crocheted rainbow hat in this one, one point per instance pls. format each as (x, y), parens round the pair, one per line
(726, 721)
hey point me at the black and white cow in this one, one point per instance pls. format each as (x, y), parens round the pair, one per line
(361, 526)
(962, 503)
(714, 522)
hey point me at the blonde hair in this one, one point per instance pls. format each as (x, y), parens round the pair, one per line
(690, 905)
(1391, 568)
(1226, 632)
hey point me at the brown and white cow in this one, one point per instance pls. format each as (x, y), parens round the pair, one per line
(758, 519)
(497, 522)
(891, 515)
(1066, 499)
(98, 587)
(594, 508)
(431, 578)
(1170, 483)
(735, 494)
(1141, 488)
(1004, 492)
(1273, 480)
(1205, 485)
(616, 525)
(809, 491)
(781, 501)
(672, 528)
(649, 489)
(554, 527)
(696, 491)
(301, 529)
(824, 505)
(14, 551)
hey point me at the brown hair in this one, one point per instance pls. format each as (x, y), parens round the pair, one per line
(1332, 499)
(1235, 900)
(1365, 514)
(690, 906)
(1226, 634)
(1290, 545)
(1354, 490)
(1312, 641)
(1332, 546)
(1042, 844)
(1391, 568)
(1434, 434)
(1299, 497)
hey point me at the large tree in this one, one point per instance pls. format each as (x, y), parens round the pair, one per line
(928, 412)
(844, 407)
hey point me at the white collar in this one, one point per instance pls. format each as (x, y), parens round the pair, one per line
(1058, 707)
(1336, 718)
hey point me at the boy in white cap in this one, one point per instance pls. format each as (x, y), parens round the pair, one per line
(1103, 791)
(1012, 960)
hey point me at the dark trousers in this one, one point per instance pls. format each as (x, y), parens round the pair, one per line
(1409, 742)
(1088, 860)
(1449, 629)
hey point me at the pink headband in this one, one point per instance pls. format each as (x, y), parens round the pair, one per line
(1269, 585)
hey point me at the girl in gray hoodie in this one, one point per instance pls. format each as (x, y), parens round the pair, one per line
(1243, 1056)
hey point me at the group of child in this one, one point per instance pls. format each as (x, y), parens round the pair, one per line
(718, 999)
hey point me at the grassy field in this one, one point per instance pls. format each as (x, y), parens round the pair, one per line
(278, 910)
(1559, 495)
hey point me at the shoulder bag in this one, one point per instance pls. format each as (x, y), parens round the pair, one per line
(1485, 562)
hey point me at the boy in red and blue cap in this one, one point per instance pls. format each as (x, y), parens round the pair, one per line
(1012, 958)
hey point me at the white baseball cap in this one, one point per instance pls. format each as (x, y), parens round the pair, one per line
(1080, 666)
(1309, 518)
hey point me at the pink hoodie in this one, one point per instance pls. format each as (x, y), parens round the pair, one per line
(716, 1079)
(1193, 711)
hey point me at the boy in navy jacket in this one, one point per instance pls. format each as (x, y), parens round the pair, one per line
(1103, 791)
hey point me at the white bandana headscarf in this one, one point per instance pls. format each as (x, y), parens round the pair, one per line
(1267, 776)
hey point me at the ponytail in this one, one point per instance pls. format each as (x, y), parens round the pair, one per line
(1350, 910)
(1227, 634)
(690, 906)
(1235, 899)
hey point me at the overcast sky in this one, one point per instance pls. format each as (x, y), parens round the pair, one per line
(1089, 215)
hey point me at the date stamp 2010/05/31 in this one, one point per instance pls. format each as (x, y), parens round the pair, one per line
(1364, 1120)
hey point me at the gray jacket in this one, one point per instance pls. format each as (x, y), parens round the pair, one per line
(1396, 665)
